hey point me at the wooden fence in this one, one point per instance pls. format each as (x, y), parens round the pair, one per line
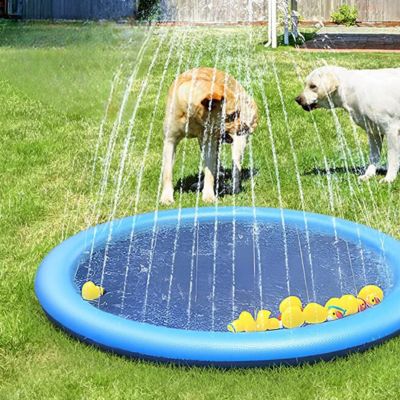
(72, 9)
(92, 9)
(368, 10)
(256, 10)
(215, 10)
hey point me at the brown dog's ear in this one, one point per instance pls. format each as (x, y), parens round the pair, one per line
(212, 101)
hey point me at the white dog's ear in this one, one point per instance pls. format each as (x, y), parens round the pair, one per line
(329, 82)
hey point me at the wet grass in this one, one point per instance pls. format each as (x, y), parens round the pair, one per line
(54, 85)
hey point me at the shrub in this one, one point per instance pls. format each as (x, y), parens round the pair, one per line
(345, 15)
(149, 10)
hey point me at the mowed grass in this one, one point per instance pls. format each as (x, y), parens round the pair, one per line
(55, 82)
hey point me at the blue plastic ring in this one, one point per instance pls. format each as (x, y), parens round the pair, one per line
(62, 302)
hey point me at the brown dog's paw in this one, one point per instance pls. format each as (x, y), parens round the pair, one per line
(209, 197)
(167, 198)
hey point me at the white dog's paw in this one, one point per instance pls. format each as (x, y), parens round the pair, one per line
(365, 178)
(167, 197)
(369, 173)
(209, 197)
(388, 179)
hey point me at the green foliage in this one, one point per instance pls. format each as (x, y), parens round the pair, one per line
(149, 10)
(304, 36)
(345, 15)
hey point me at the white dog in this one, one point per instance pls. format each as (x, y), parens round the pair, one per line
(372, 97)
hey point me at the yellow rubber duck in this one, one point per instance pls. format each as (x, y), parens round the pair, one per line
(371, 294)
(335, 309)
(245, 323)
(350, 303)
(292, 317)
(273, 324)
(314, 313)
(90, 291)
(248, 321)
(236, 326)
(291, 301)
(262, 320)
(362, 305)
(265, 323)
(332, 301)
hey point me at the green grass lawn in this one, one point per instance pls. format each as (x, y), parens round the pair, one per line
(55, 82)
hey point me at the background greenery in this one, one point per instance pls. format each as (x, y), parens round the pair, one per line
(345, 15)
(149, 9)
(54, 85)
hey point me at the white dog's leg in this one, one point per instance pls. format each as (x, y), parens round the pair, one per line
(393, 138)
(167, 196)
(375, 145)
(210, 154)
(238, 148)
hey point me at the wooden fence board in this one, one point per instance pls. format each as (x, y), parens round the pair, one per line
(215, 10)
(368, 10)
(77, 9)
(205, 10)
(256, 10)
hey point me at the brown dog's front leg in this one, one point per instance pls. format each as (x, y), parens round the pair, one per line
(210, 154)
(167, 196)
(238, 148)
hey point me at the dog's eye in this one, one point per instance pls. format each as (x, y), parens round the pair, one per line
(312, 86)
(232, 117)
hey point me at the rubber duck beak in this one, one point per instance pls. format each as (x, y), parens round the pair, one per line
(377, 300)
(339, 314)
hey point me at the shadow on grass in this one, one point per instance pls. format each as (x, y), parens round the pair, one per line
(343, 170)
(304, 36)
(190, 183)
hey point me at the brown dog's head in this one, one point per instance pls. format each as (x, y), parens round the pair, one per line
(320, 88)
(234, 114)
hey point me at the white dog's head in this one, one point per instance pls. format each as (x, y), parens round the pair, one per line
(320, 89)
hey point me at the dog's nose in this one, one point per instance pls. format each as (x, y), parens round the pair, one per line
(298, 100)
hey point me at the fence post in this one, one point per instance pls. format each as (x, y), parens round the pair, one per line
(295, 19)
(286, 19)
(272, 25)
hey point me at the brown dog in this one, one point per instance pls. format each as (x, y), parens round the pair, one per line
(209, 105)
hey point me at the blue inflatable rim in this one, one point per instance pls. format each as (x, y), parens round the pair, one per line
(61, 300)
